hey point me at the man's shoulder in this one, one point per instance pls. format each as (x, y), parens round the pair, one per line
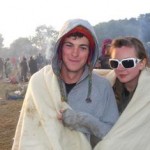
(96, 76)
(102, 72)
(105, 74)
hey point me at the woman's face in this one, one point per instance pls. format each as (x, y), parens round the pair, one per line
(127, 75)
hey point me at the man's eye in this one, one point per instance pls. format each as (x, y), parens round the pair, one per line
(68, 45)
(84, 48)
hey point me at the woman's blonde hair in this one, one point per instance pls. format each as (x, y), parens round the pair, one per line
(131, 42)
(140, 50)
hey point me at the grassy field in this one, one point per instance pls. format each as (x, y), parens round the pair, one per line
(9, 114)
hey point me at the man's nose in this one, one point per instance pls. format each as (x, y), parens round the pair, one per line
(75, 51)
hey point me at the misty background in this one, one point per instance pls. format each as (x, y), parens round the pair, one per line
(45, 36)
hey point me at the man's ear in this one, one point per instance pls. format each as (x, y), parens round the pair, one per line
(143, 64)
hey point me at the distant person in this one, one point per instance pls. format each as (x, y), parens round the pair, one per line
(24, 69)
(7, 67)
(1, 68)
(32, 65)
(40, 61)
(14, 63)
(104, 58)
(66, 105)
(97, 64)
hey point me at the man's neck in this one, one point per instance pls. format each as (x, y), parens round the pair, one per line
(70, 76)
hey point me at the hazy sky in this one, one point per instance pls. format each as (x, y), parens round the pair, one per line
(19, 18)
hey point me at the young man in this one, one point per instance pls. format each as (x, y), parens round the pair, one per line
(66, 103)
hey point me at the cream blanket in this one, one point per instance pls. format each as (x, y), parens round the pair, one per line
(38, 127)
(132, 130)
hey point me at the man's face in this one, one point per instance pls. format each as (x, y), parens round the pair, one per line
(75, 53)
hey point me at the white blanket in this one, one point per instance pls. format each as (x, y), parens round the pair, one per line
(132, 130)
(38, 127)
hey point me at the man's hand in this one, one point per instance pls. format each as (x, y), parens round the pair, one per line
(60, 116)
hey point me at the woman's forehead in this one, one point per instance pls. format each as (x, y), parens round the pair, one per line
(123, 52)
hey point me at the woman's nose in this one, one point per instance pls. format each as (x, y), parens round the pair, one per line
(120, 67)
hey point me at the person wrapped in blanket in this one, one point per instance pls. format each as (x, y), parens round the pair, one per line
(92, 107)
(77, 53)
(130, 64)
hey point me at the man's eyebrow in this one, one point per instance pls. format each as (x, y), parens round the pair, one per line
(84, 45)
(66, 42)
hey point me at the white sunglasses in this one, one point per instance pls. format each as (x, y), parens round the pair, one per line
(126, 63)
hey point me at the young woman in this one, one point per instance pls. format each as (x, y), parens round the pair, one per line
(130, 65)
(128, 59)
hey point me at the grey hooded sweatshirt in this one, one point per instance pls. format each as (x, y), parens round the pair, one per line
(94, 110)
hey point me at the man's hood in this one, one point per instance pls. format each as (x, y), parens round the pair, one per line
(68, 26)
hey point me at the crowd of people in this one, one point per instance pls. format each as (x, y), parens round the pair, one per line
(20, 70)
(84, 100)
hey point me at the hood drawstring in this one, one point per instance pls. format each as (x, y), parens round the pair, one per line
(88, 99)
(63, 95)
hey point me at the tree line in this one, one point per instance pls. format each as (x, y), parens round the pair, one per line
(45, 36)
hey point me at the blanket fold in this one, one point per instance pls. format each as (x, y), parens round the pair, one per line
(38, 126)
(39, 129)
(131, 131)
